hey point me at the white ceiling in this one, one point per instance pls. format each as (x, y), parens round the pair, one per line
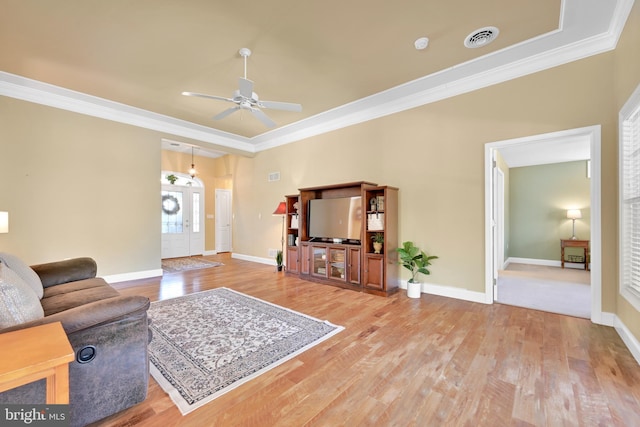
(345, 62)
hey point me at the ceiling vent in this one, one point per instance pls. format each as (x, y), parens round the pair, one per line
(481, 37)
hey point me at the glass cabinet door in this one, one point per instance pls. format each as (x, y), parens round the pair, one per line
(319, 261)
(337, 258)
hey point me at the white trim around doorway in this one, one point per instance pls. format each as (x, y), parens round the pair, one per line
(590, 134)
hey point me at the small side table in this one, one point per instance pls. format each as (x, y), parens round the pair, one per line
(31, 354)
(570, 243)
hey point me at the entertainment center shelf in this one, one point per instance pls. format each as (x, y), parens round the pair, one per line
(330, 236)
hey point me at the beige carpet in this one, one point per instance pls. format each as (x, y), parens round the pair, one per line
(553, 289)
(549, 273)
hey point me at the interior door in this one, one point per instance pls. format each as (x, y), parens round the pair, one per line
(223, 220)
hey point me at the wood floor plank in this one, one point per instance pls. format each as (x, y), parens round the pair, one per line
(432, 361)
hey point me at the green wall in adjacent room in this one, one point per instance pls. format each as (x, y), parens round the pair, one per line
(539, 197)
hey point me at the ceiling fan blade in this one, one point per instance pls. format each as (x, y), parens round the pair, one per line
(203, 95)
(246, 87)
(263, 117)
(286, 106)
(226, 112)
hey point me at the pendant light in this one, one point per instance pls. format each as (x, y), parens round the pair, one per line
(192, 171)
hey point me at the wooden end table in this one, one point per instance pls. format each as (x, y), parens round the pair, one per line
(570, 243)
(31, 354)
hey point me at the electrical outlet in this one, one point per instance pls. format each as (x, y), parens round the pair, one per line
(272, 253)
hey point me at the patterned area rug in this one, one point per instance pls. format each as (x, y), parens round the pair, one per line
(209, 343)
(173, 265)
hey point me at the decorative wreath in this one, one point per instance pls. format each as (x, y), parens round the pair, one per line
(170, 204)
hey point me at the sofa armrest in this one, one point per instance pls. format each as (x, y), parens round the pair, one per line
(89, 315)
(70, 270)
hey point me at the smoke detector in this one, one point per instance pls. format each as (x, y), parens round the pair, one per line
(421, 43)
(481, 37)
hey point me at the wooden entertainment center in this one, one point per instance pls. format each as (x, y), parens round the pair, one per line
(351, 264)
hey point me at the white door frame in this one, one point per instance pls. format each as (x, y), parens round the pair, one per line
(592, 134)
(498, 225)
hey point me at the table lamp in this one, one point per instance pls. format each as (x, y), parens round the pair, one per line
(282, 211)
(4, 222)
(574, 214)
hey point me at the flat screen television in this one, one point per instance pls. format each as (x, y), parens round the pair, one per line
(339, 218)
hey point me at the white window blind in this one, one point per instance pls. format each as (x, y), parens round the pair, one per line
(630, 203)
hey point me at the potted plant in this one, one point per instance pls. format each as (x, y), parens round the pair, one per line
(172, 178)
(378, 240)
(279, 260)
(416, 261)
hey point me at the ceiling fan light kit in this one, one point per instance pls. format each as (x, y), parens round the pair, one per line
(246, 99)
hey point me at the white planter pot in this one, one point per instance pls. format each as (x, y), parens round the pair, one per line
(414, 290)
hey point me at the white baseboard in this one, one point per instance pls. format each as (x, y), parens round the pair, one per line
(627, 337)
(251, 258)
(115, 278)
(450, 292)
(545, 262)
(210, 253)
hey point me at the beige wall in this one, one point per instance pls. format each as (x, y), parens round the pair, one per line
(435, 156)
(75, 185)
(627, 78)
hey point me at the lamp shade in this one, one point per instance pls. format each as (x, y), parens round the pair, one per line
(574, 214)
(4, 222)
(281, 209)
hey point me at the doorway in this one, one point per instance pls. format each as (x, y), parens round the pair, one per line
(562, 146)
(182, 211)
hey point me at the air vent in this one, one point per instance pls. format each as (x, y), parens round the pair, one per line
(274, 176)
(481, 37)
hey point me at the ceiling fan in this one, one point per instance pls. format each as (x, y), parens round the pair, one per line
(246, 99)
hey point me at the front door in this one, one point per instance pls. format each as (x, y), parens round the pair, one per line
(182, 226)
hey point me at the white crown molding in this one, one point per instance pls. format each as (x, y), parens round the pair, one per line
(586, 28)
(38, 92)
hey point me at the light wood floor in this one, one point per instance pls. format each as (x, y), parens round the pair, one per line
(433, 361)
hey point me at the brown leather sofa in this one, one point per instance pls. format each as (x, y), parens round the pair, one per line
(108, 332)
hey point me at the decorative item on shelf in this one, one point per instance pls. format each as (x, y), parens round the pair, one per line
(291, 240)
(296, 206)
(416, 261)
(279, 260)
(374, 204)
(380, 203)
(574, 214)
(294, 221)
(192, 172)
(171, 178)
(375, 221)
(378, 240)
(281, 210)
